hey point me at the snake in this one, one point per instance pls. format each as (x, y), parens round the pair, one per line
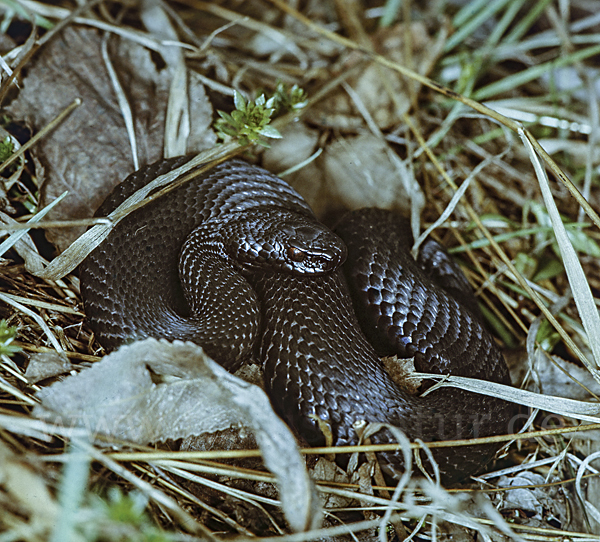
(236, 261)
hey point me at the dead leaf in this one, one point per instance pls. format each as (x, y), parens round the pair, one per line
(44, 365)
(298, 143)
(155, 390)
(326, 470)
(401, 371)
(562, 378)
(376, 86)
(90, 152)
(541, 505)
(361, 174)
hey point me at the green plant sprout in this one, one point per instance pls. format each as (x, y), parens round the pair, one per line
(123, 517)
(289, 99)
(249, 123)
(7, 148)
(7, 336)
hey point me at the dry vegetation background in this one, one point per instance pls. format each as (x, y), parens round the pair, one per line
(404, 102)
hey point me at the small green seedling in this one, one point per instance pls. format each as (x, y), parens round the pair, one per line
(7, 336)
(249, 122)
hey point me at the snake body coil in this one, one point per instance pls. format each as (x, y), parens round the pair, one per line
(235, 261)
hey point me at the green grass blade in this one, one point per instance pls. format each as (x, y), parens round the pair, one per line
(525, 76)
(580, 287)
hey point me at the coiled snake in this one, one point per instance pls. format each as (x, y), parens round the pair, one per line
(235, 261)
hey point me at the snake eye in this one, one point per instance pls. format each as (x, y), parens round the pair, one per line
(296, 255)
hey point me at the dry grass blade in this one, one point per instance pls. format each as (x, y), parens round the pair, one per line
(190, 524)
(177, 122)
(17, 235)
(76, 253)
(51, 126)
(577, 279)
(43, 325)
(570, 408)
(122, 99)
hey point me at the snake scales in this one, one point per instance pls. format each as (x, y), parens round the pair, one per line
(236, 261)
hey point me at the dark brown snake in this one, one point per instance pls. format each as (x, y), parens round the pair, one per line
(236, 261)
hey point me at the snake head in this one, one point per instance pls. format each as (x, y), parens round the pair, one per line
(288, 242)
(311, 250)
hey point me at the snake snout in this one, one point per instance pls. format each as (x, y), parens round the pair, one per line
(283, 241)
(315, 250)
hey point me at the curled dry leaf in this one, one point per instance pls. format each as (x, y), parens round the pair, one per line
(387, 95)
(563, 378)
(298, 143)
(44, 365)
(90, 152)
(541, 505)
(401, 370)
(360, 174)
(326, 470)
(154, 390)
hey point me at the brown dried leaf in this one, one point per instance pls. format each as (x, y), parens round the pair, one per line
(540, 505)
(360, 174)
(90, 152)
(154, 390)
(44, 365)
(387, 95)
(298, 143)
